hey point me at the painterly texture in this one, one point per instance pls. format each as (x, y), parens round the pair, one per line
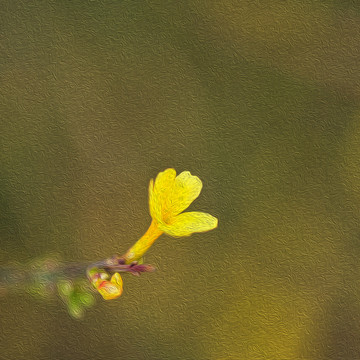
(260, 100)
(169, 196)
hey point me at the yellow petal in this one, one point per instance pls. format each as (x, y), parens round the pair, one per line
(143, 244)
(159, 191)
(111, 289)
(116, 279)
(187, 223)
(185, 190)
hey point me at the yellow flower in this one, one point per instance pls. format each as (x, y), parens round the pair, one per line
(110, 289)
(169, 196)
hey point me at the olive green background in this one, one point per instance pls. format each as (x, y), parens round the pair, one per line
(260, 99)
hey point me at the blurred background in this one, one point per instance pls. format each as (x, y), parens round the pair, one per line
(259, 99)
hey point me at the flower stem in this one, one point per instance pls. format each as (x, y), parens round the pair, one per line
(143, 244)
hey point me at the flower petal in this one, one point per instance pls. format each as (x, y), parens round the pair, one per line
(187, 223)
(186, 189)
(159, 191)
(116, 279)
(111, 289)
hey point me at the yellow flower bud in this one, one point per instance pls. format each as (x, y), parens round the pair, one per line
(110, 289)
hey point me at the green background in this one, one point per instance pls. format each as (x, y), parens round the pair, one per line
(260, 99)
